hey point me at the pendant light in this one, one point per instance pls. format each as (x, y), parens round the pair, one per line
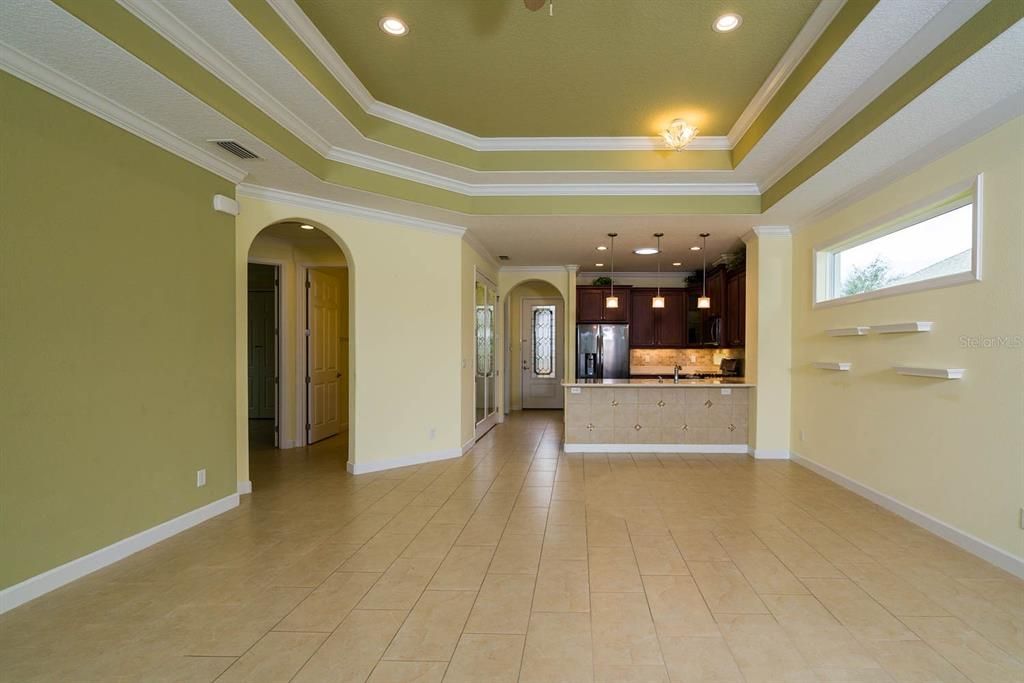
(704, 301)
(658, 301)
(612, 301)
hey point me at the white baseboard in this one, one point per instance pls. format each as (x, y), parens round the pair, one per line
(40, 584)
(466, 447)
(417, 459)
(654, 448)
(244, 487)
(768, 454)
(969, 542)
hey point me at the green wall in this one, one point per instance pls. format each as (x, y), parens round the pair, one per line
(117, 348)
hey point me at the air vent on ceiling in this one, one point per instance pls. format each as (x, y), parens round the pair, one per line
(236, 149)
(503, 258)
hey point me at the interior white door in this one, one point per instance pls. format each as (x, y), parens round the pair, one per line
(541, 336)
(323, 299)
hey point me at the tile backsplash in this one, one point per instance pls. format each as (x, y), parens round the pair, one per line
(697, 359)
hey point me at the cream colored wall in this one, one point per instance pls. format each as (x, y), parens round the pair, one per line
(769, 340)
(473, 261)
(532, 289)
(405, 344)
(951, 449)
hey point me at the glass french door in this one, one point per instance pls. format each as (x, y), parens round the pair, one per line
(485, 307)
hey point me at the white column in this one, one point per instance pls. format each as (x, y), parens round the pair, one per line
(769, 333)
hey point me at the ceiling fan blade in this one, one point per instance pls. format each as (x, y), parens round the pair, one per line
(534, 5)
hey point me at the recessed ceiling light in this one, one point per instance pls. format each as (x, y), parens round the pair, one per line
(677, 263)
(694, 248)
(599, 264)
(602, 248)
(645, 251)
(727, 22)
(393, 26)
(307, 227)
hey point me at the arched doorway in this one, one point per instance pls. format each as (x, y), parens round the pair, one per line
(298, 347)
(535, 316)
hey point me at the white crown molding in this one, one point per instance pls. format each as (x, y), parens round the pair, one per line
(308, 33)
(644, 275)
(478, 246)
(42, 76)
(767, 232)
(332, 206)
(166, 24)
(805, 39)
(533, 269)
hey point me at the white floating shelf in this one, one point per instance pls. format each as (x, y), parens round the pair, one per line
(848, 331)
(842, 366)
(920, 326)
(935, 373)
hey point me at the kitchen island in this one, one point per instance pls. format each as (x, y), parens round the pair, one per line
(657, 416)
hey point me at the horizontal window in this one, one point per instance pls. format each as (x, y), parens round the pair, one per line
(934, 246)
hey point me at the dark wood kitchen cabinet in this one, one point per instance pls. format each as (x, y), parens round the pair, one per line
(735, 309)
(590, 306)
(716, 290)
(651, 327)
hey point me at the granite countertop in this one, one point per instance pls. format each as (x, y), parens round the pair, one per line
(665, 384)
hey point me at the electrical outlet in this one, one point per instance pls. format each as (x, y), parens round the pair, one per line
(1021, 520)
(433, 433)
(726, 392)
(200, 478)
(803, 437)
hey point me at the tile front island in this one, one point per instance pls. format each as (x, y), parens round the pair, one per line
(648, 416)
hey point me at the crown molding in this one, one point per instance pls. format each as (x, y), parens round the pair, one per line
(391, 168)
(767, 232)
(42, 76)
(167, 25)
(332, 206)
(311, 37)
(473, 241)
(640, 275)
(805, 39)
(533, 269)
(571, 268)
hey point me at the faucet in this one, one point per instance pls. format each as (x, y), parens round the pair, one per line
(675, 374)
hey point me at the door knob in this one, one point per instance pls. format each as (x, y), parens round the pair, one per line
(338, 376)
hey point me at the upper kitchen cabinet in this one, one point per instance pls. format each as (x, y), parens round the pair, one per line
(651, 327)
(590, 306)
(716, 290)
(735, 309)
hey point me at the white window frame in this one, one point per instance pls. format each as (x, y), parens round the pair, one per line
(825, 274)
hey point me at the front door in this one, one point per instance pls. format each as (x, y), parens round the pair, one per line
(542, 353)
(323, 303)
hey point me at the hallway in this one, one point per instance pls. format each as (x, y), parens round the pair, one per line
(518, 562)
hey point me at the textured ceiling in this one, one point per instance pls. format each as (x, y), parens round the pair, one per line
(595, 68)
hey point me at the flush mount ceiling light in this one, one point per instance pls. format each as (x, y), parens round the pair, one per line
(694, 248)
(393, 26)
(602, 248)
(727, 22)
(646, 251)
(658, 301)
(704, 301)
(677, 263)
(612, 301)
(599, 265)
(305, 226)
(679, 134)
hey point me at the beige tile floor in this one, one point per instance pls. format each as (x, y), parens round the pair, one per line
(520, 563)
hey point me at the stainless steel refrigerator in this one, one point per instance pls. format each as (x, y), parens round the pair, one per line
(602, 352)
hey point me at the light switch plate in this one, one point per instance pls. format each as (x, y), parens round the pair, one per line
(726, 392)
(575, 390)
